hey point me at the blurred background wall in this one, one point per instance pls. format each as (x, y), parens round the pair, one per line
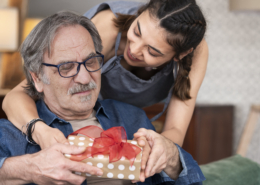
(40, 8)
(233, 72)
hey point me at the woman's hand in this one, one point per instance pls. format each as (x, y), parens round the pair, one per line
(46, 136)
(164, 154)
(145, 155)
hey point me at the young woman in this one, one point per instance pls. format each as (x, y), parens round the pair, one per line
(153, 52)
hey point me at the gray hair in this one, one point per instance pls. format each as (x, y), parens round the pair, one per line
(40, 40)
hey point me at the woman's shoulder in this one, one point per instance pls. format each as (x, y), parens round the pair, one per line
(106, 29)
(123, 7)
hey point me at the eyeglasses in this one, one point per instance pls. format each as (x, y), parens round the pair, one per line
(70, 69)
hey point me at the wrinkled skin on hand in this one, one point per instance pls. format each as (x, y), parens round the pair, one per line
(164, 154)
(49, 166)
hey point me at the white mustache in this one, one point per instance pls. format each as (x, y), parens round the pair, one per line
(80, 88)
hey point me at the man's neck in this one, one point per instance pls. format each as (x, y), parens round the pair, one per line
(68, 115)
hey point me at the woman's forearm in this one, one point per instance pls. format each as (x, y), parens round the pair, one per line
(180, 112)
(19, 107)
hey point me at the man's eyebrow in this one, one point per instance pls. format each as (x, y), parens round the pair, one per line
(138, 25)
(86, 58)
(90, 55)
(158, 51)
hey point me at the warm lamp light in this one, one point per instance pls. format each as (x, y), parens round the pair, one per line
(244, 5)
(8, 29)
(29, 24)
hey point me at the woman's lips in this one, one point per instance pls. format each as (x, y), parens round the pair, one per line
(131, 56)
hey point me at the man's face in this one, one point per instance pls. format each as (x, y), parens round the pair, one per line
(74, 97)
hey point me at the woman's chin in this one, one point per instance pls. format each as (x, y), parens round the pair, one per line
(132, 63)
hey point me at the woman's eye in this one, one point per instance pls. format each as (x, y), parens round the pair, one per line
(136, 33)
(152, 54)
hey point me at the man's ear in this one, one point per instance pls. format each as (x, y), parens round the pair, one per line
(37, 82)
(184, 54)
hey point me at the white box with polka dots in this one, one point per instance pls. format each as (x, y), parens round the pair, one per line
(117, 170)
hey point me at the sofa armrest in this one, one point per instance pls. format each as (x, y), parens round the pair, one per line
(235, 170)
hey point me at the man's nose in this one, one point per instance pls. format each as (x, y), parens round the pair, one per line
(83, 76)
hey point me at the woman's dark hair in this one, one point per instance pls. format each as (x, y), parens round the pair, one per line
(185, 25)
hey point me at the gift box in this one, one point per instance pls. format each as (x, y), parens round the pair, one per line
(114, 164)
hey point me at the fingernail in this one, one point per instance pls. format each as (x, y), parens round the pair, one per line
(99, 173)
(141, 142)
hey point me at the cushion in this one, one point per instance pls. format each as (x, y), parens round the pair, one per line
(235, 170)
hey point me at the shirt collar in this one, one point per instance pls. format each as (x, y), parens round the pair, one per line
(49, 116)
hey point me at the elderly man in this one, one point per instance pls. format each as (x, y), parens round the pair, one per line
(62, 65)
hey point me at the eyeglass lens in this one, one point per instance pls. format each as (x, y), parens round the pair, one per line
(71, 68)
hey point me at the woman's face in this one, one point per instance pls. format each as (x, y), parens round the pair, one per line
(146, 43)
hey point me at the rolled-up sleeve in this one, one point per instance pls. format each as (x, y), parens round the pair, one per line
(191, 173)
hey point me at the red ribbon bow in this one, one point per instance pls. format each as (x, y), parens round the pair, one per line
(112, 142)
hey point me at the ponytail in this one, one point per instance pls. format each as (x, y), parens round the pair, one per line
(182, 85)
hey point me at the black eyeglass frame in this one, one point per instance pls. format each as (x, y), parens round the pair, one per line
(79, 64)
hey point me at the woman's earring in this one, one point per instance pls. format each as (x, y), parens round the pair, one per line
(154, 68)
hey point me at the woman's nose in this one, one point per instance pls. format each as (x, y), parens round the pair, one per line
(136, 48)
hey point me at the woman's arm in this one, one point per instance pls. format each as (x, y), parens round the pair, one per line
(20, 108)
(180, 112)
(163, 154)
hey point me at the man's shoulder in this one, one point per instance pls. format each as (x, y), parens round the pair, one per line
(6, 125)
(10, 138)
(8, 130)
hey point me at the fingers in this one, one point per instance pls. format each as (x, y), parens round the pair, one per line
(142, 176)
(146, 151)
(69, 149)
(70, 178)
(84, 168)
(77, 166)
(60, 138)
(140, 132)
(150, 135)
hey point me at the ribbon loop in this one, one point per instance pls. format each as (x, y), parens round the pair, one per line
(112, 142)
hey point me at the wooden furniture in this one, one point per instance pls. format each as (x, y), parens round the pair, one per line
(248, 130)
(209, 136)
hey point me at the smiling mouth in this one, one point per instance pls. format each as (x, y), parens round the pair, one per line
(131, 56)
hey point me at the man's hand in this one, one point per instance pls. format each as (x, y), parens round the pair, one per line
(48, 166)
(46, 136)
(164, 154)
(52, 167)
